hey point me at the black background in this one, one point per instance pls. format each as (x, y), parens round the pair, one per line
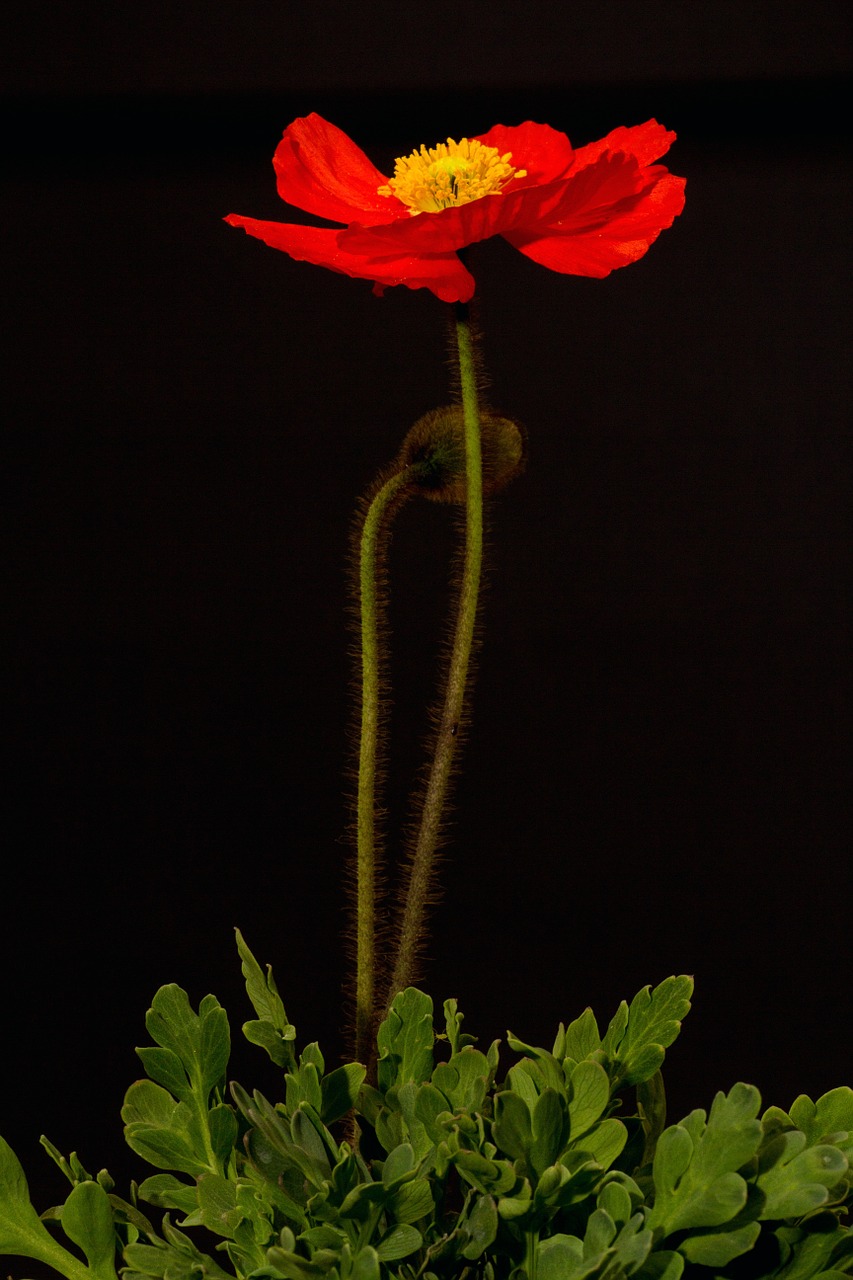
(656, 775)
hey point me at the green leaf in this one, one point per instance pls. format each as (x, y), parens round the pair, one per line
(365, 1265)
(550, 1129)
(453, 1020)
(589, 1094)
(166, 1068)
(718, 1248)
(399, 1243)
(340, 1090)
(167, 1192)
(464, 1079)
(400, 1165)
(481, 1226)
(217, 1199)
(162, 1131)
(72, 1168)
(87, 1220)
(815, 1253)
(512, 1129)
(405, 1040)
(266, 1002)
(663, 1264)
(22, 1232)
(580, 1039)
(796, 1179)
(411, 1201)
(830, 1119)
(200, 1041)
(636, 1042)
(560, 1257)
(266, 1037)
(175, 1258)
(604, 1143)
(696, 1183)
(651, 1105)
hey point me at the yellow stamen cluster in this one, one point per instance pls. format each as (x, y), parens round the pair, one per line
(451, 173)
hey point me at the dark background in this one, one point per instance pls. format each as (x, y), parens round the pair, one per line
(657, 772)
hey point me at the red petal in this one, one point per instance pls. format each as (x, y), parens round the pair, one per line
(321, 170)
(459, 225)
(545, 153)
(599, 248)
(645, 142)
(443, 274)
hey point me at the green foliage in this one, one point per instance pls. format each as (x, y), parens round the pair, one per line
(444, 1168)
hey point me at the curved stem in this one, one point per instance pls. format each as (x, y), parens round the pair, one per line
(423, 859)
(370, 554)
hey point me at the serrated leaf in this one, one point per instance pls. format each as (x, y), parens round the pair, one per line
(453, 1020)
(464, 1079)
(161, 1130)
(579, 1040)
(638, 1037)
(200, 1041)
(830, 1119)
(263, 992)
(798, 1178)
(405, 1041)
(87, 1220)
(696, 1183)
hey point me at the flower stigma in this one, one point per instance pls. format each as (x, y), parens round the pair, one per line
(450, 173)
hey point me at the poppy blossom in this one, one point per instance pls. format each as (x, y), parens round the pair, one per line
(581, 212)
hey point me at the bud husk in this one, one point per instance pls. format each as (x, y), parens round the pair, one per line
(435, 450)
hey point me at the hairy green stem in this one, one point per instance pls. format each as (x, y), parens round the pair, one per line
(435, 796)
(371, 550)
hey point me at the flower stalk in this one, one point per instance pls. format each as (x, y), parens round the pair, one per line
(419, 880)
(390, 493)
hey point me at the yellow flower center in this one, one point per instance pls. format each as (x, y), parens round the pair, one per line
(450, 173)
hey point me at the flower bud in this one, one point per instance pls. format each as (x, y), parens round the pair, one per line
(435, 450)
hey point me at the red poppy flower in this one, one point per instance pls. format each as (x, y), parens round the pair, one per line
(580, 212)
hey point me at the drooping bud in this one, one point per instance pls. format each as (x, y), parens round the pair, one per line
(435, 451)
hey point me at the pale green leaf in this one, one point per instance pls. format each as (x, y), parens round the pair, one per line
(87, 1220)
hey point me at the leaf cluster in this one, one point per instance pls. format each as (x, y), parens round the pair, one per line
(444, 1168)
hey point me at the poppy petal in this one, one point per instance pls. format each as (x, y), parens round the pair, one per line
(645, 142)
(545, 153)
(321, 170)
(443, 274)
(599, 248)
(460, 224)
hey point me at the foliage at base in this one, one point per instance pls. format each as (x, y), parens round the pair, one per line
(563, 1168)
